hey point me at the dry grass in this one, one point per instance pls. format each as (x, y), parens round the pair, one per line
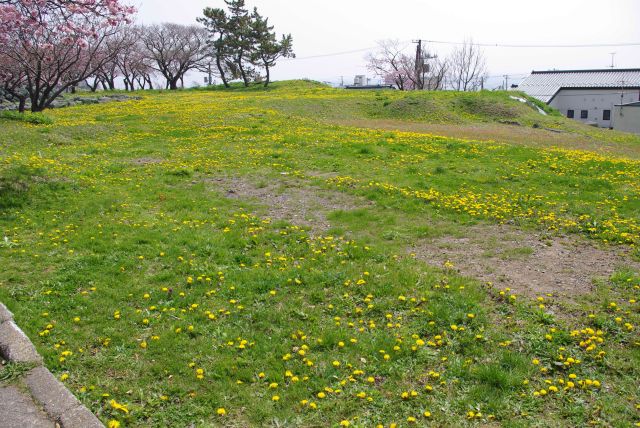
(511, 134)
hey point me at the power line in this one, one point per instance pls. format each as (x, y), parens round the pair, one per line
(503, 45)
(499, 45)
(330, 54)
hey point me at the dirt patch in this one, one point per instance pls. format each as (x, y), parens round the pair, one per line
(291, 200)
(146, 161)
(529, 263)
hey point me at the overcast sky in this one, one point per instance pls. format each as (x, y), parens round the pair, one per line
(322, 27)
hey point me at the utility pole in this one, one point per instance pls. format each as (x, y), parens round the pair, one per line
(341, 81)
(613, 55)
(420, 66)
(506, 82)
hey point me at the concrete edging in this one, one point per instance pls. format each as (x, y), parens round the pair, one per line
(56, 400)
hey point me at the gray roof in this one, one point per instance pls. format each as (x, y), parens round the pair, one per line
(633, 104)
(544, 85)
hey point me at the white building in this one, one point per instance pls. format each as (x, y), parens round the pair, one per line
(627, 117)
(585, 95)
(360, 80)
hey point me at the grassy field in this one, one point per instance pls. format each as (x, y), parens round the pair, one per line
(150, 255)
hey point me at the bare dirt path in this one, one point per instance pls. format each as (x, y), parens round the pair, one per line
(510, 134)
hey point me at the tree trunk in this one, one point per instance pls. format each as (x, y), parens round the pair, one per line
(92, 87)
(21, 104)
(221, 71)
(266, 81)
(34, 103)
(245, 79)
(173, 84)
(111, 83)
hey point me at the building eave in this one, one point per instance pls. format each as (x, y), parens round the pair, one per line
(582, 88)
(593, 70)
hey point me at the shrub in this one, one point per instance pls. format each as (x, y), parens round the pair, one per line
(33, 118)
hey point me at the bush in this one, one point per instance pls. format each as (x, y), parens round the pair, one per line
(33, 118)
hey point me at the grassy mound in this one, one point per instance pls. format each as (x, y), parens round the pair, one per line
(164, 293)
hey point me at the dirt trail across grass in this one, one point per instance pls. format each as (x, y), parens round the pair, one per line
(530, 263)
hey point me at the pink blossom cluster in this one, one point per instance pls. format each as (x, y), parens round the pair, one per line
(72, 17)
(48, 45)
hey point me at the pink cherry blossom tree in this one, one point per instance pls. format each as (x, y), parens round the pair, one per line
(48, 46)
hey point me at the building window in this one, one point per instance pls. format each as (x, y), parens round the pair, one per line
(570, 114)
(606, 114)
(584, 114)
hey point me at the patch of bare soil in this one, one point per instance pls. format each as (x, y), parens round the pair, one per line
(529, 263)
(146, 161)
(290, 199)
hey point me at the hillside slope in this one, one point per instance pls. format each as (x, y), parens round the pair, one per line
(223, 258)
(486, 115)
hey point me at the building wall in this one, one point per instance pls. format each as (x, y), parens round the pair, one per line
(595, 101)
(627, 118)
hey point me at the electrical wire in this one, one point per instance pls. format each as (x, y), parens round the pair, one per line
(330, 54)
(502, 45)
(499, 45)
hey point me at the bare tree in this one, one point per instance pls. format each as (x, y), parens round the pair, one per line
(394, 66)
(391, 64)
(133, 62)
(108, 72)
(435, 78)
(467, 67)
(114, 45)
(175, 49)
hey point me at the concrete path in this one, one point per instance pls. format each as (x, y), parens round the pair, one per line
(17, 409)
(35, 398)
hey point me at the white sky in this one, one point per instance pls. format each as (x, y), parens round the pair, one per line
(329, 26)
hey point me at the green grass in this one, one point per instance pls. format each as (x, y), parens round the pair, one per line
(129, 267)
(27, 117)
(11, 372)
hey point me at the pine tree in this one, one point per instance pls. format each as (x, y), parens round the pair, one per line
(217, 23)
(267, 48)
